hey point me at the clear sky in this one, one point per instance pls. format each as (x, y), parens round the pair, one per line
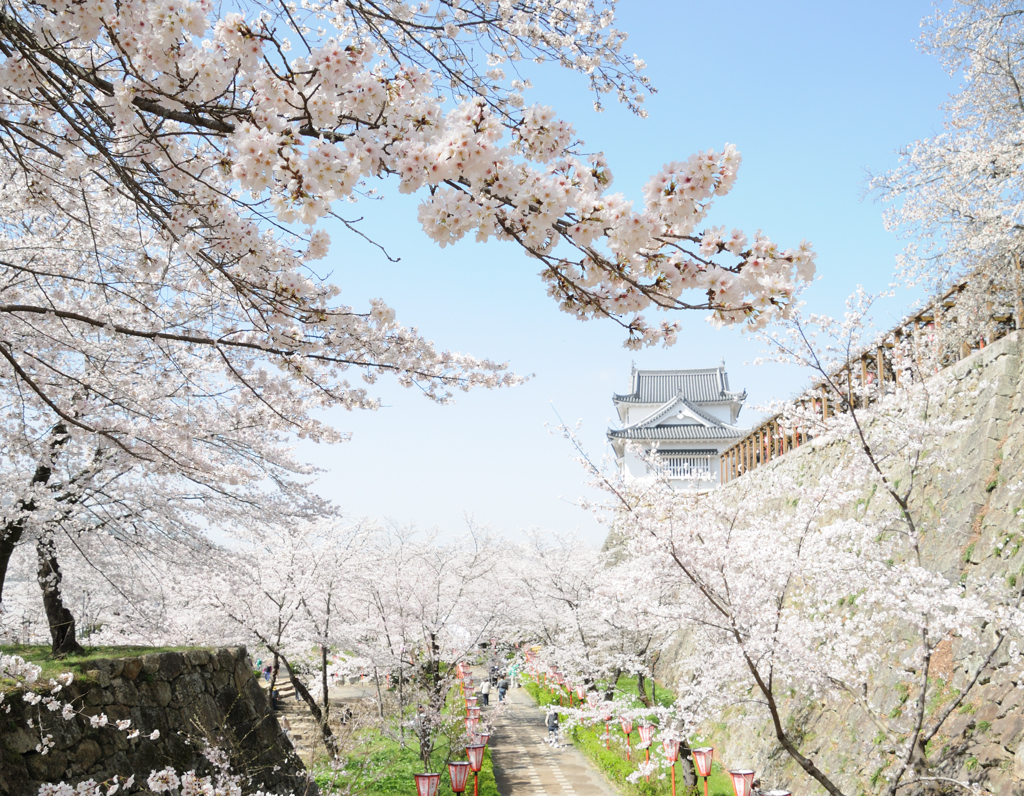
(814, 94)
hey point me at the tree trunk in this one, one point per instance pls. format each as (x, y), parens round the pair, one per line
(325, 731)
(323, 683)
(274, 673)
(609, 694)
(641, 689)
(60, 619)
(12, 532)
(689, 773)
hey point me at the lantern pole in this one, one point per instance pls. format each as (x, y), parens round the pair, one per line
(627, 728)
(671, 747)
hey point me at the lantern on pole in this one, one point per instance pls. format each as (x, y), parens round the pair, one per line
(483, 737)
(627, 728)
(742, 779)
(671, 747)
(475, 753)
(471, 725)
(473, 713)
(459, 773)
(471, 702)
(607, 728)
(702, 760)
(646, 735)
(426, 784)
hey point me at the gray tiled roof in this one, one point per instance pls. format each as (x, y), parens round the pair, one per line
(687, 432)
(700, 386)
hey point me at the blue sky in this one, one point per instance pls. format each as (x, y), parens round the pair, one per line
(815, 95)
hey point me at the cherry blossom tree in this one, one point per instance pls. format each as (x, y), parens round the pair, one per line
(957, 195)
(174, 110)
(424, 607)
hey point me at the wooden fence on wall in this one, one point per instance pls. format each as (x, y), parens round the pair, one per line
(866, 376)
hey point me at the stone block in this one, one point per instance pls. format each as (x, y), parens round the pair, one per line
(1013, 700)
(20, 740)
(118, 713)
(88, 754)
(197, 657)
(989, 712)
(101, 676)
(96, 696)
(48, 767)
(124, 692)
(151, 663)
(65, 733)
(171, 665)
(204, 716)
(132, 667)
(1011, 787)
(219, 679)
(990, 754)
(187, 688)
(1008, 730)
(226, 660)
(1018, 762)
(161, 693)
(959, 725)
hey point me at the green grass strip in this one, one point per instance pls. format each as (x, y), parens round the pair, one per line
(612, 762)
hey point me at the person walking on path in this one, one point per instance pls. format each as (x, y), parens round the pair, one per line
(502, 688)
(485, 691)
(552, 723)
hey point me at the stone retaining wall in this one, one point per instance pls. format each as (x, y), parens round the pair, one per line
(193, 698)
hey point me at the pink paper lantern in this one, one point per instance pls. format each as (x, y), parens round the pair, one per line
(475, 753)
(459, 773)
(426, 784)
(627, 725)
(741, 781)
(484, 737)
(646, 733)
(702, 758)
(671, 747)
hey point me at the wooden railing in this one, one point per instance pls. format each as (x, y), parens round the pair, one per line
(868, 375)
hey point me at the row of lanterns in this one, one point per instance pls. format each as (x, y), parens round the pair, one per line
(458, 772)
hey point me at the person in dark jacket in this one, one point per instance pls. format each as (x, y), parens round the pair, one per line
(552, 723)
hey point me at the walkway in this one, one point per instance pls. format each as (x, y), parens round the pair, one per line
(524, 764)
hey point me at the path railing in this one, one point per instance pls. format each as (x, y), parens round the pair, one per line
(868, 375)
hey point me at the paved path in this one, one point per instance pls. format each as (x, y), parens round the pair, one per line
(525, 765)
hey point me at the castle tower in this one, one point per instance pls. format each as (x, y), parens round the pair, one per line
(688, 416)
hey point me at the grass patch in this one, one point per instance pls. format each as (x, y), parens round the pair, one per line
(39, 654)
(380, 766)
(377, 765)
(612, 761)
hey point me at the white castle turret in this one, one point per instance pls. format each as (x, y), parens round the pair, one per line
(689, 416)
